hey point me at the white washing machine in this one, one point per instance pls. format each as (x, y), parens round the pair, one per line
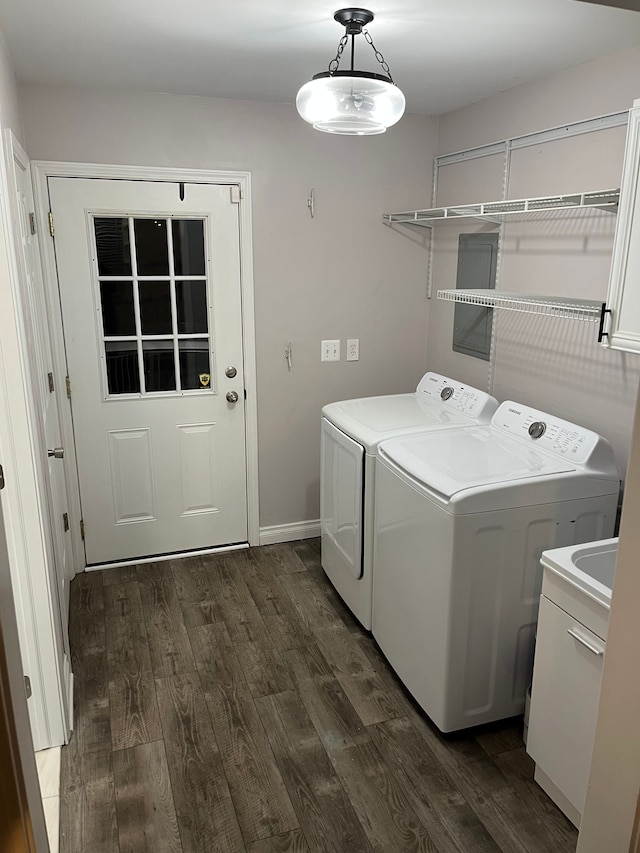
(351, 433)
(461, 519)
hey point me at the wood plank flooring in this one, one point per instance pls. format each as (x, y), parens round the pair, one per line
(232, 704)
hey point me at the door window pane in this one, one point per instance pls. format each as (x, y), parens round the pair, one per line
(155, 307)
(159, 367)
(194, 364)
(188, 246)
(123, 376)
(113, 245)
(155, 303)
(118, 316)
(191, 301)
(151, 246)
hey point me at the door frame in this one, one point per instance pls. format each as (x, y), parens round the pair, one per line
(42, 170)
(25, 499)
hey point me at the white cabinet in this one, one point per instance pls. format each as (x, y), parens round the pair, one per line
(564, 706)
(623, 300)
(567, 671)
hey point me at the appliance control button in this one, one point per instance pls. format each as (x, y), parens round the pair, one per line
(446, 393)
(537, 429)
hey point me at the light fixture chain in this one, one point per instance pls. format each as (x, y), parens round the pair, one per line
(378, 55)
(333, 65)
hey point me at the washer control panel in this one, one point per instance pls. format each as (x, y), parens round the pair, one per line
(454, 395)
(546, 431)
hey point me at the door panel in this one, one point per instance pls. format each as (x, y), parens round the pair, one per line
(151, 304)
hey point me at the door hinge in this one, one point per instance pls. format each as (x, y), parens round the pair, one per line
(52, 230)
(52, 386)
(32, 223)
(1, 478)
(27, 686)
(68, 384)
(65, 521)
(236, 194)
(82, 529)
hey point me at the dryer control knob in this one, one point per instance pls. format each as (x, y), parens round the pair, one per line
(446, 393)
(537, 429)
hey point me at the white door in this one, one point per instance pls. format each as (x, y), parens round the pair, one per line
(149, 276)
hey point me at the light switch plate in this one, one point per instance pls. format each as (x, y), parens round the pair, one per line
(330, 351)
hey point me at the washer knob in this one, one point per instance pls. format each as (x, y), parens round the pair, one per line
(537, 429)
(446, 393)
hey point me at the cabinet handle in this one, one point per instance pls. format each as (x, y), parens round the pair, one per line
(601, 332)
(584, 642)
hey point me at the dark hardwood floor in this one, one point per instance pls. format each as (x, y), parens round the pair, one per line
(232, 704)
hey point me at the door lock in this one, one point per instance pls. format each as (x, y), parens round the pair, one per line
(232, 396)
(230, 372)
(57, 452)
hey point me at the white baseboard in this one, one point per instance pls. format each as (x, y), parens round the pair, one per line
(289, 532)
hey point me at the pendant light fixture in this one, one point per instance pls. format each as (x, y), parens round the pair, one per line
(354, 103)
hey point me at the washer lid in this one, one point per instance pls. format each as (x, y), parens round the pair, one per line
(449, 462)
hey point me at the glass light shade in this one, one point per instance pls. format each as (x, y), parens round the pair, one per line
(353, 103)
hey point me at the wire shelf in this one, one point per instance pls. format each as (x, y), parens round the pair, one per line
(586, 310)
(495, 210)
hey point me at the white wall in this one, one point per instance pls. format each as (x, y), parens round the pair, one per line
(592, 89)
(340, 275)
(10, 116)
(614, 782)
(553, 364)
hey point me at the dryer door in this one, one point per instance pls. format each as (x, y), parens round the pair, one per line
(341, 500)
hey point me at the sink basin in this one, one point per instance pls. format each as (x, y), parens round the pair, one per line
(589, 567)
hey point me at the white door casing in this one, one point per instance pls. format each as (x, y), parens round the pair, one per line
(44, 385)
(161, 450)
(39, 604)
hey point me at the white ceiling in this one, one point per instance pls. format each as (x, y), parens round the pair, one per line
(444, 54)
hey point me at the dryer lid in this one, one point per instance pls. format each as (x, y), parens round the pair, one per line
(438, 403)
(374, 419)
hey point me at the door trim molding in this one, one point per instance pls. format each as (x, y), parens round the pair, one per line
(25, 508)
(42, 170)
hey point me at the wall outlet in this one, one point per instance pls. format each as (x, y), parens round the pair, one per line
(353, 349)
(330, 351)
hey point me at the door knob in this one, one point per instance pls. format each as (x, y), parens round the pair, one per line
(230, 372)
(232, 396)
(57, 452)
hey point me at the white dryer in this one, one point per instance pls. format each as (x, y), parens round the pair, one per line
(351, 433)
(461, 519)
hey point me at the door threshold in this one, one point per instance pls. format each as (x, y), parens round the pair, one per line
(158, 558)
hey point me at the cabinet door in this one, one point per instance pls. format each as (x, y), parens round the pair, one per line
(564, 700)
(624, 294)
